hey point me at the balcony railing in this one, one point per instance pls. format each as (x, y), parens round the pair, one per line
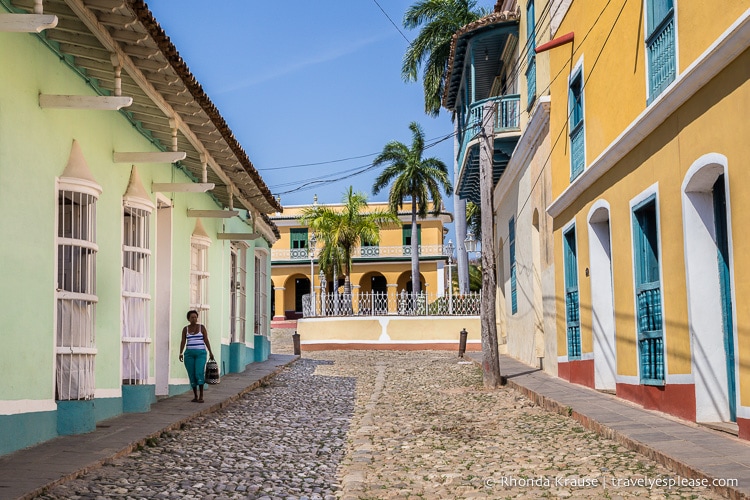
(507, 114)
(383, 304)
(368, 252)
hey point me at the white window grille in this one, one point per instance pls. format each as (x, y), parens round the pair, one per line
(76, 292)
(136, 267)
(238, 291)
(199, 276)
(261, 294)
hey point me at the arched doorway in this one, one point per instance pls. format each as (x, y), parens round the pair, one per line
(602, 297)
(710, 288)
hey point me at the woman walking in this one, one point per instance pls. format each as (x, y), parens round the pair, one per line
(195, 336)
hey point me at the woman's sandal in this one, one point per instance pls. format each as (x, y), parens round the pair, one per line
(200, 400)
(195, 400)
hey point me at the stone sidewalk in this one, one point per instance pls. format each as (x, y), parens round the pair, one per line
(27, 473)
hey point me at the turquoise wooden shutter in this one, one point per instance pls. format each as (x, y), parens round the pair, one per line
(577, 133)
(648, 294)
(722, 244)
(512, 251)
(660, 46)
(572, 315)
(531, 55)
(298, 238)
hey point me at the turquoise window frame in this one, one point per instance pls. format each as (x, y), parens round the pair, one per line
(406, 234)
(648, 292)
(572, 306)
(576, 124)
(298, 238)
(661, 48)
(512, 259)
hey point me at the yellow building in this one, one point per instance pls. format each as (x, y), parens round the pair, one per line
(384, 268)
(650, 144)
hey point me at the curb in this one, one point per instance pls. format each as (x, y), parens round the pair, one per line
(681, 468)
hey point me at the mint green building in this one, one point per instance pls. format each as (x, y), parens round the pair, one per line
(126, 201)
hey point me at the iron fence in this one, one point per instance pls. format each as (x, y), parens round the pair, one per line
(382, 304)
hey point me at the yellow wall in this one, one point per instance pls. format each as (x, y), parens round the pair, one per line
(389, 330)
(713, 120)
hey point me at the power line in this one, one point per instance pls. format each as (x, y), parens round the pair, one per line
(391, 20)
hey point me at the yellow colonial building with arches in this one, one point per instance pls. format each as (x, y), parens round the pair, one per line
(384, 268)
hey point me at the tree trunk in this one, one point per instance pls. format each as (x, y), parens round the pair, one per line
(490, 356)
(415, 285)
(459, 218)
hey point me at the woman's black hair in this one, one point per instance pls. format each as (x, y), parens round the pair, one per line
(191, 312)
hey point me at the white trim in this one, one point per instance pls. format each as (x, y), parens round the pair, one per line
(679, 378)
(585, 356)
(138, 202)
(743, 411)
(651, 191)
(79, 185)
(22, 406)
(107, 393)
(603, 324)
(629, 379)
(558, 14)
(708, 354)
(714, 59)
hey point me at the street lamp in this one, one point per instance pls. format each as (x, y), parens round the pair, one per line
(313, 241)
(470, 242)
(449, 249)
(322, 278)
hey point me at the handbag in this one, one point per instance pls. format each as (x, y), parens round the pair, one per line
(212, 372)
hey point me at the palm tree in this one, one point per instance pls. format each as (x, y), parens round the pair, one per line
(439, 20)
(416, 178)
(341, 231)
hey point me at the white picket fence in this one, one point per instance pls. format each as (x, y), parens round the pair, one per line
(382, 304)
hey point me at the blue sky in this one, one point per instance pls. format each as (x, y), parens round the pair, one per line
(303, 82)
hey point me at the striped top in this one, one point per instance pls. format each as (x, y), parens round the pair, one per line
(195, 340)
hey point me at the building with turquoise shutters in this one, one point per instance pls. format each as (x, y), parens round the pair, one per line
(649, 105)
(126, 202)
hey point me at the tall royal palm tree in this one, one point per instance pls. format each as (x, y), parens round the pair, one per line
(341, 230)
(439, 20)
(416, 178)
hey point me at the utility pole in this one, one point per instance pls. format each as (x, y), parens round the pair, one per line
(459, 214)
(490, 358)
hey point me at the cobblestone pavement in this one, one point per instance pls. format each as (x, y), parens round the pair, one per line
(379, 424)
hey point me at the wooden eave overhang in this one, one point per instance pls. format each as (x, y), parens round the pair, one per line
(90, 32)
(497, 25)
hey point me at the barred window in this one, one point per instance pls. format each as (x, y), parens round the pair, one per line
(237, 290)
(136, 267)
(261, 293)
(75, 292)
(199, 276)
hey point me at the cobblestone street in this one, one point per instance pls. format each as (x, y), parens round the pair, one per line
(379, 424)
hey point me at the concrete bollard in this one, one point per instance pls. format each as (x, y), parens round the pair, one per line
(462, 343)
(295, 340)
